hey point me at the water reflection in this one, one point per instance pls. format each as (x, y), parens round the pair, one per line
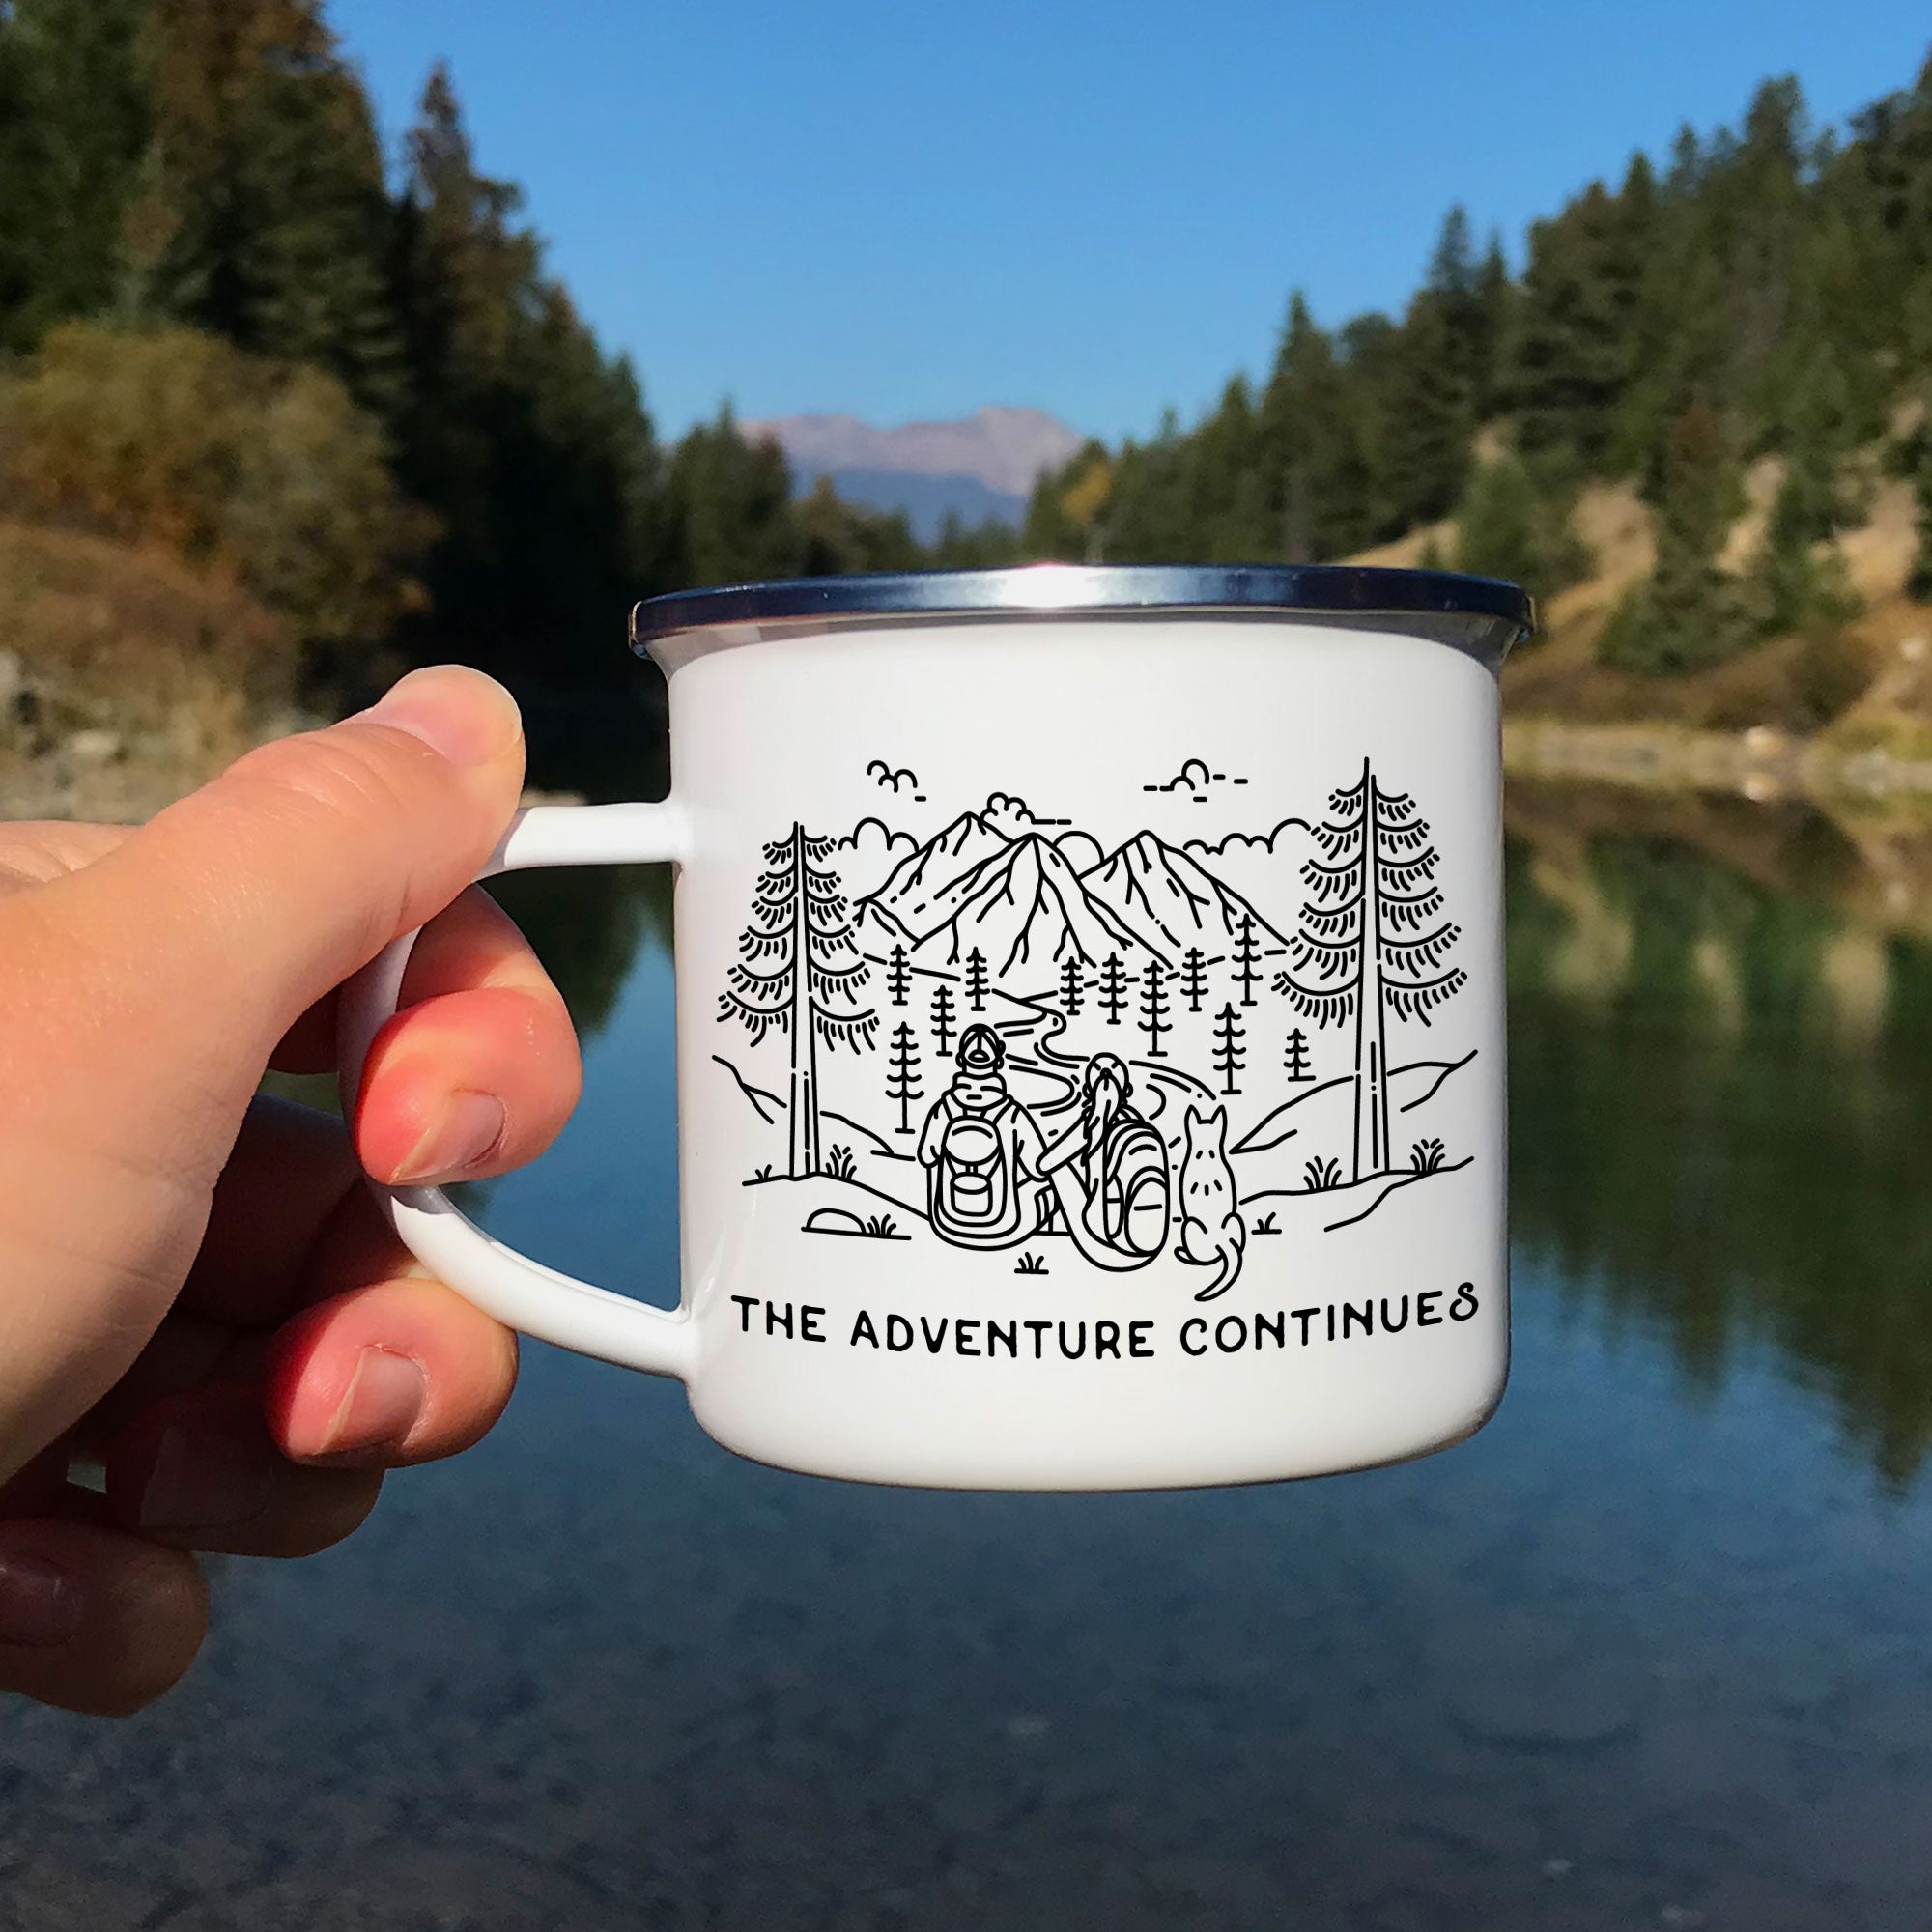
(1721, 1090)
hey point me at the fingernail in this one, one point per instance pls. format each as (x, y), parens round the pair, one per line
(206, 1479)
(385, 1396)
(460, 1138)
(471, 718)
(40, 1605)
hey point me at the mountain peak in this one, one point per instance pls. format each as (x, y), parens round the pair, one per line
(1004, 448)
(1171, 901)
(908, 896)
(1024, 908)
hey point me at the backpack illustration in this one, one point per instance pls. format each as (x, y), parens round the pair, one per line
(971, 1187)
(1133, 1208)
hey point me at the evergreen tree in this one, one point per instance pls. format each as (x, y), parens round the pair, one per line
(1304, 440)
(1247, 960)
(800, 974)
(1446, 342)
(1230, 1055)
(1295, 1057)
(1506, 529)
(1154, 1022)
(1690, 614)
(1194, 978)
(1577, 346)
(75, 120)
(1373, 940)
(899, 977)
(976, 981)
(902, 1078)
(263, 212)
(529, 443)
(727, 504)
(1797, 585)
(1921, 585)
(944, 1024)
(1070, 984)
(1113, 990)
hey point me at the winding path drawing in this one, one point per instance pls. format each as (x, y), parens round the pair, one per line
(1006, 1037)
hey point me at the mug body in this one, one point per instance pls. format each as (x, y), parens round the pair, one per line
(1090, 1038)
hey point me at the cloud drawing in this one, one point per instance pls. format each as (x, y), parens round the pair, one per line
(1238, 842)
(875, 848)
(1195, 779)
(1012, 815)
(887, 778)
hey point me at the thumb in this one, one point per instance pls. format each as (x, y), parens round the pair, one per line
(250, 900)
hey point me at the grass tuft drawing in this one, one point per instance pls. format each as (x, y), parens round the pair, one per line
(1427, 1156)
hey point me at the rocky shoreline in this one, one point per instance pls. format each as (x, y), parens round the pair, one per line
(1761, 764)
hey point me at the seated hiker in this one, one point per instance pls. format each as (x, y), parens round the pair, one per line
(1119, 1157)
(980, 1149)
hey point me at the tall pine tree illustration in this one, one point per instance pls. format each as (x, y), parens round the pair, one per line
(1372, 939)
(800, 972)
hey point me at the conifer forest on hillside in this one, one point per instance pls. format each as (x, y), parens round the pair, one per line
(281, 412)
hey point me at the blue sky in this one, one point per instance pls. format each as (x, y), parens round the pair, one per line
(905, 210)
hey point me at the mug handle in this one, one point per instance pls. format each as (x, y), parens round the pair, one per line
(522, 1293)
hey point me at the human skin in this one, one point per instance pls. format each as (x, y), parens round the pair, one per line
(196, 1291)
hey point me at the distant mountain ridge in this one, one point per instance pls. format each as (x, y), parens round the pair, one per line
(981, 466)
(1020, 900)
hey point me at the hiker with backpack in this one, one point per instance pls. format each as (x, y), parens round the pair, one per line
(1120, 1161)
(982, 1151)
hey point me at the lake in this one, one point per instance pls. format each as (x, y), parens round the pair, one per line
(1655, 1648)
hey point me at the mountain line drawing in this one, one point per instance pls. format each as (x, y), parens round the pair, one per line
(1022, 903)
(1174, 901)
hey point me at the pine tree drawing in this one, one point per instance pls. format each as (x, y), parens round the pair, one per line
(943, 1026)
(1295, 1057)
(1247, 961)
(1112, 993)
(976, 981)
(1070, 984)
(1194, 978)
(800, 973)
(902, 1078)
(899, 977)
(1229, 1053)
(1154, 1010)
(1371, 941)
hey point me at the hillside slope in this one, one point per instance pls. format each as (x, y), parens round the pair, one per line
(125, 678)
(1862, 686)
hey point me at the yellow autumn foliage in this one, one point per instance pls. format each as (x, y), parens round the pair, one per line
(263, 475)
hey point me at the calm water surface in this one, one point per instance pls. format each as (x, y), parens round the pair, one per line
(1654, 1650)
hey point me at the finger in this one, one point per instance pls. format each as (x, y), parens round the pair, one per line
(33, 853)
(92, 1619)
(287, 1177)
(236, 909)
(202, 1471)
(309, 1045)
(480, 1072)
(400, 1371)
(361, 1294)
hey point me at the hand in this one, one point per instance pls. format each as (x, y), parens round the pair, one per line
(195, 1290)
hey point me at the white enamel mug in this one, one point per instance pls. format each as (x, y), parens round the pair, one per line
(1090, 1025)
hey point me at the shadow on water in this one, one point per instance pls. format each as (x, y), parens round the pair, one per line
(1650, 1650)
